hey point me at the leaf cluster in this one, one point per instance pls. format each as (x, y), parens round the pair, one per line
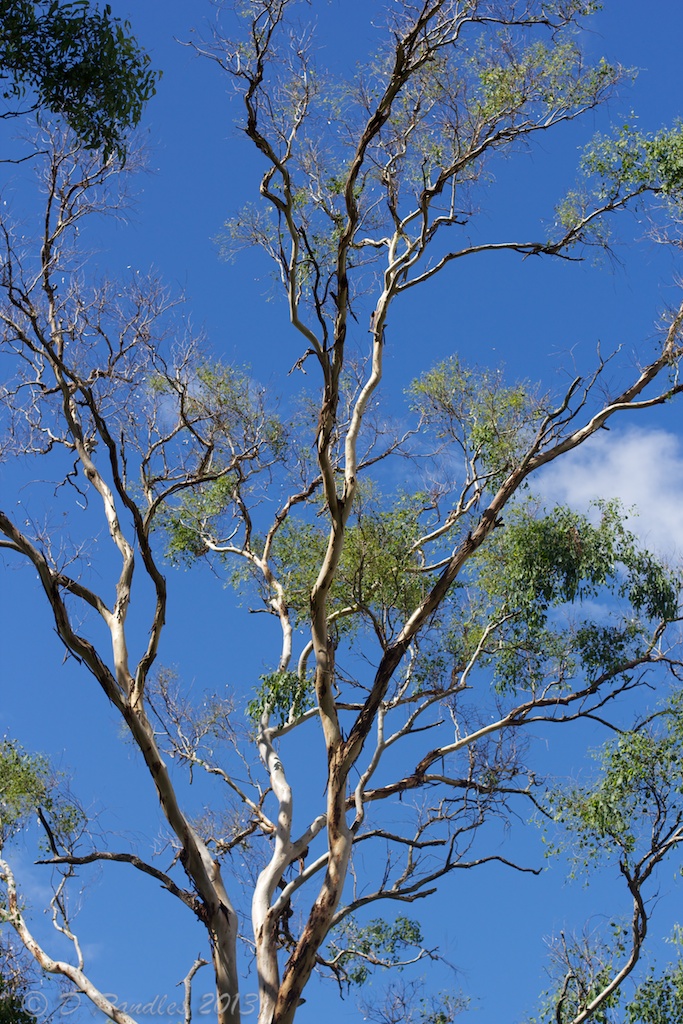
(281, 694)
(356, 948)
(24, 785)
(27, 784)
(185, 524)
(79, 62)
(636, 803)
(585, 966)
(632, 158)
(374, 574)
(550, 76)
(627, 163)
(658, 999)
(490, 420)
(536, 565)
(563, 557)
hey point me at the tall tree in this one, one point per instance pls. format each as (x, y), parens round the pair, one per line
(438, 625)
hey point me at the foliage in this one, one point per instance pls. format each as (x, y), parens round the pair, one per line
(658, 998)
(637, 800)
(489, 420)
(17, 978)
(374, 576)
(626, 160)
(582, 966)
(78, 61)
(562, 557)
(538, 564)
(630, 816)
(541, 75)
(222, 402)
(11, 1004)
(355, 948)
(27, 785)
(24, 785)
(633, 158)
(283, 695)
(185, 523)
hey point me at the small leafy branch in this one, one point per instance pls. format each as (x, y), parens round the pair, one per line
(282, 694)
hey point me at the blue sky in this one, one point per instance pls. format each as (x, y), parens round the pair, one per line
(538, 318)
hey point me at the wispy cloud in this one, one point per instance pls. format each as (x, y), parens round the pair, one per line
(644, 468)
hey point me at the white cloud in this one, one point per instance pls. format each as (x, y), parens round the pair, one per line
(644, 468)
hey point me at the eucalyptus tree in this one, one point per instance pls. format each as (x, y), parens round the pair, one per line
(421, 633)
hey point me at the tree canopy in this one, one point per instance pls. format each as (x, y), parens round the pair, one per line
(428, 621)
